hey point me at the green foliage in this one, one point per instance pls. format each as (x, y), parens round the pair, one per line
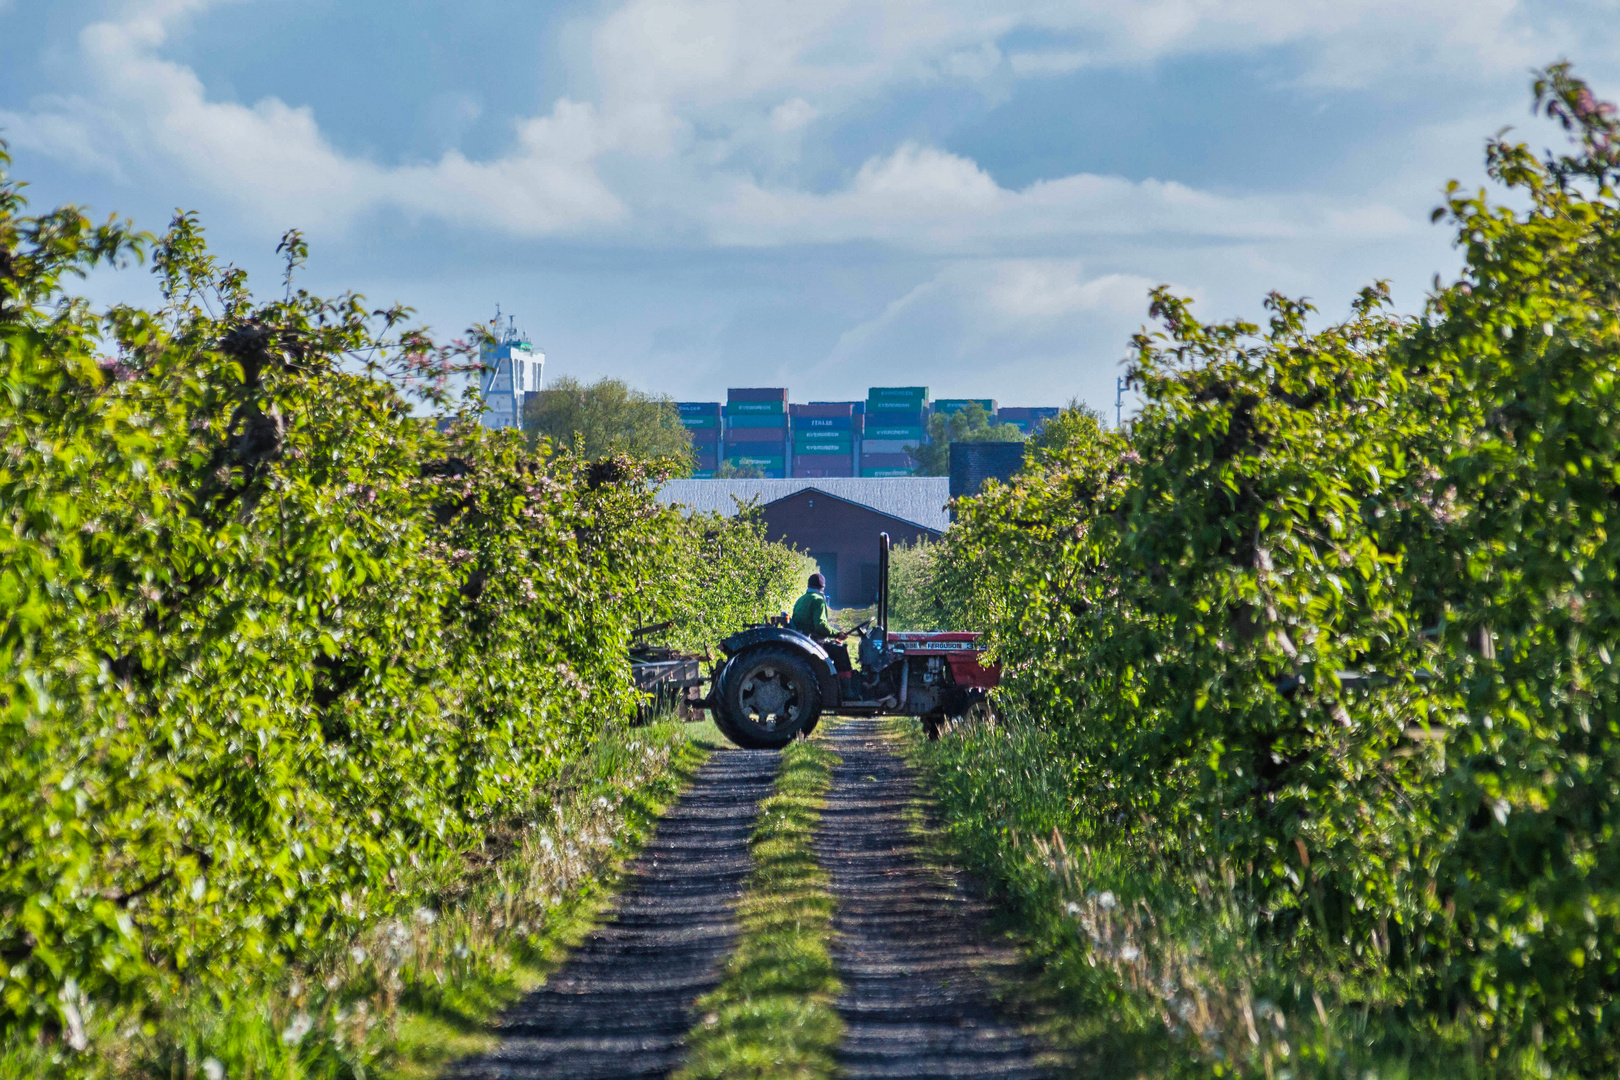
(726, 575)
(411, 993)
(971, 424)
(1336, 624)
(772, 1014)
(1077, 424)
(272, 640)
(914, 601)
(608, 417)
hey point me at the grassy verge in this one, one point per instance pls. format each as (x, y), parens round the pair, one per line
(772, 1014)
(416, 992)
(1152, 962)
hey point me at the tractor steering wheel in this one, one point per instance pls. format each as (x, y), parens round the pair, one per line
(860, 627)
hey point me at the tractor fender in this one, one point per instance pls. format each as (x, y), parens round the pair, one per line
(820, 662)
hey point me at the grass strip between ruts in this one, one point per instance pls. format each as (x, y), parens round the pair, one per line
(772, 1014)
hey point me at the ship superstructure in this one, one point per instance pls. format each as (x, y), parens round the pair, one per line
(513, 369)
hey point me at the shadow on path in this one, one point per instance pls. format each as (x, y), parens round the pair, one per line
(911, 949)
(621, 1005)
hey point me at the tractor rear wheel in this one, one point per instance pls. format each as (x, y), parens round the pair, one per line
(766, 697)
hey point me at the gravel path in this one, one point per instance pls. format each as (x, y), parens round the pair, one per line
(620, 1006)
(911, 949)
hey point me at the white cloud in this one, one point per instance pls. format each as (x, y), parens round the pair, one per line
(1050, 61)
(273, 159)
(1023, 319)
(697, 110)
(921, 197)
(972, 64)
(793, 115)
(702, 54)
(1033, 289)
(66, 129)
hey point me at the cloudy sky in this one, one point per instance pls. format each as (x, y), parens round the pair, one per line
(695, 194)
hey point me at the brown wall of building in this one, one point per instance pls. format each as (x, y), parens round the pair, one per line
(820, 524)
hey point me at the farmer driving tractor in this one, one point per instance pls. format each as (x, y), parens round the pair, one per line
(776, 681)
(810, 619)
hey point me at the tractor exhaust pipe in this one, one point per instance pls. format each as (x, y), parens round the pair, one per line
(883, 585)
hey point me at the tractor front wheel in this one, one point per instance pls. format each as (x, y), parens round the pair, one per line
(766, 697)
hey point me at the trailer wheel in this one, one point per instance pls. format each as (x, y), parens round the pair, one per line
(766, 697)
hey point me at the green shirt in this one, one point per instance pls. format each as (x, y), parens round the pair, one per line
(810, 615)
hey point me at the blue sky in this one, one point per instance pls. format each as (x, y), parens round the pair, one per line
(695, 194)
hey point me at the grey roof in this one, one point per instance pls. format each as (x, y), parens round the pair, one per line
(918, 499)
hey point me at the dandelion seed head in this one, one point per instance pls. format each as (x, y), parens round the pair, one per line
(295, 1031)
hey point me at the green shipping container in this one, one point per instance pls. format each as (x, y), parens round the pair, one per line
(757, 462)
(697, 422)
(950, 405)
(899, 395)
(907, 434)
(703, 474)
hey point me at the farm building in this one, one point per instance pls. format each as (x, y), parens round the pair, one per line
(836, 521)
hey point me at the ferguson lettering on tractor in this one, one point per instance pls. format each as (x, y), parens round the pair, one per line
(776, 683)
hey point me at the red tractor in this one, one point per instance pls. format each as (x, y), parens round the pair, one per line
(776, 683)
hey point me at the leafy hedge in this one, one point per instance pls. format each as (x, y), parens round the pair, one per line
(726, 574)
(1337, 620)
(271, 638)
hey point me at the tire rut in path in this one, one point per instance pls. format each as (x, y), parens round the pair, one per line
(621, 1004)
(911, 947)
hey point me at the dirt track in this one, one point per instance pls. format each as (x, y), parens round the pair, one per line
(621, 1004)
(910, 948)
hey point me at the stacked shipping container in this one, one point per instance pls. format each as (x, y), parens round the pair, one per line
(702, 420)
(757, 427)
(823, 439)
(757, 430)
(896, 417)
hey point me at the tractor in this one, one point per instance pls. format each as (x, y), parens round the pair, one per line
(776, 683)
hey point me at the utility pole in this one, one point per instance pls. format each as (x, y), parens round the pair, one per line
(1119, 400)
